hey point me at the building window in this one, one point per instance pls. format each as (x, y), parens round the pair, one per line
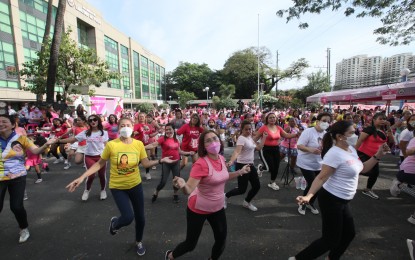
(40, 5)
(137, 80)
(33, 28)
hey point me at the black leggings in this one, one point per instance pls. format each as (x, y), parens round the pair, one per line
(309, 176)
(270, 156)
(338, 228)
(195, 221)
(166, 168)
(54, 150)
(16, 188)
(251, 177)
(373, 174)
(406, 177)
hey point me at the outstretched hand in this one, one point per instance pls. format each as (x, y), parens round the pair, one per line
(74, 184)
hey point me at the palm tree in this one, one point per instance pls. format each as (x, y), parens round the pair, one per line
(54, 52)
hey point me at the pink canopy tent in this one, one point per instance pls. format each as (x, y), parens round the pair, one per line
(397, 91)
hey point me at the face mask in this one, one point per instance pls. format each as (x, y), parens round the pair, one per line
(213, 147)
(324, 125)
(412, 124)
(126, 132)
(351, 139)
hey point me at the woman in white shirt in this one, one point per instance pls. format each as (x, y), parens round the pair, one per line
(244, 155)
(337, 183)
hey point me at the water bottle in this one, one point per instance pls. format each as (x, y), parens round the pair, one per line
(303, 183)
(297, 181)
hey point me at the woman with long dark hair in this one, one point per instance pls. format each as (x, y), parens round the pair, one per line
(59, 130)
(270, 153)
(370, 139)
(191, 133)
(112, 127)
(336, 184)
(206, 186)
(170, 147)
(96, 138)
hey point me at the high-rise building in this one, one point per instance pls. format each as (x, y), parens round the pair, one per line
(363, 71)
(22, 25)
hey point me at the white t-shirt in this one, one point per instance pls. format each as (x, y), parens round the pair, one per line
(343, 182)
(310, 138)
(248, 148)
(95, 143)
(405, 136)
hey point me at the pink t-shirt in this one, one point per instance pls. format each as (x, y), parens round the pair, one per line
(169, 147)
(292, 143)
(200, 170)
(408, 165)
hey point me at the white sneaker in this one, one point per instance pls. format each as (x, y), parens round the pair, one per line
(301, 209)
(148, 176)
(411, 219)
(25, 197)
(24, 235)
(85, 195)
(38, 181)
(58, 161)
(249, 206)
(260, 170)
(395, 190)
(312, 209)
(273, 186)
(67, 166)
(103, 195)
(154, 168)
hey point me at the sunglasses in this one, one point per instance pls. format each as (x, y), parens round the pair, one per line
(93, 120)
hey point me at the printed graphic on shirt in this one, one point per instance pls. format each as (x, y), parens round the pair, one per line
(13, 158)
(126, 163)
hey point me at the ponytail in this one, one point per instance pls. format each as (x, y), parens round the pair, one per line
(327, 143)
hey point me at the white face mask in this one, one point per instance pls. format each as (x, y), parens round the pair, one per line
(126, 132)
(324, 125)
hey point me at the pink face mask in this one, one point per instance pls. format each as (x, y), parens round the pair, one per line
(213, 148)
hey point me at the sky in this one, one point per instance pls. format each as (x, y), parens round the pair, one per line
(211, 31)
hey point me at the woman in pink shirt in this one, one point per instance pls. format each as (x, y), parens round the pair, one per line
(170, 147)
(206, 186)
(289, 146)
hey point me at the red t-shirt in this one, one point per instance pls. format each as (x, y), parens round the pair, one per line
(199, 170)
(78, 130)
(190, 137)
(273, 138)
(169, 147)
(61, 130)
(144, 131)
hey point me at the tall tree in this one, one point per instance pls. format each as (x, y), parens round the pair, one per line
(54, 52)
(397, 16)
(184, 97)
(191, 77)
(317, 83)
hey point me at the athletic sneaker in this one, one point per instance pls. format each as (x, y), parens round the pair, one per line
(148, 176)
(301, 209)
(166, 256)
(67, 166)
(103, 195)
(58, 161)
(411, 246)
(371, 194)
(411, 219)
(249, 206)
(313, 209)
(112, 230)
(273, 186)
(24, 235)
(260, 170)
(154, 168)
(38, 181)
(25, 197)
(85, 195)
(141, 250)
(395, 190)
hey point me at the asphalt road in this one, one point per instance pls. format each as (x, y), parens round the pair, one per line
(64, 227)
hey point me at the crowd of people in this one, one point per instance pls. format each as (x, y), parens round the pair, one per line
(330, 148)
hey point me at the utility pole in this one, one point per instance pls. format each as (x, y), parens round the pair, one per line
(276, 74)
(328, 68)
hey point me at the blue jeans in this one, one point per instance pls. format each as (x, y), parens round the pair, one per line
(16, 189)
(122, 199)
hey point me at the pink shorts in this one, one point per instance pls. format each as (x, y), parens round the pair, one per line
(32, 162)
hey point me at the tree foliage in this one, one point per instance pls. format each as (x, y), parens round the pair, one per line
(227, 91)
(76, 67)
(241, 70)
(220, 103)
(397, 16)
(184, 97)
(145, 107)
(191, 77)
(317, 83)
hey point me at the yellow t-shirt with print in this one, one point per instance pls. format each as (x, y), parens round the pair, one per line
(124, 159)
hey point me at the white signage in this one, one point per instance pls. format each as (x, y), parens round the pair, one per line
(85, 11)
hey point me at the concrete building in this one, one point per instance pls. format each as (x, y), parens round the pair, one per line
(363, 71)
(22, 25)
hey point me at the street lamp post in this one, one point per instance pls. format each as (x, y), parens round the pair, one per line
(213, 93)
(130, 92)
(160, 96)
(170, 98)
(207, 94)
